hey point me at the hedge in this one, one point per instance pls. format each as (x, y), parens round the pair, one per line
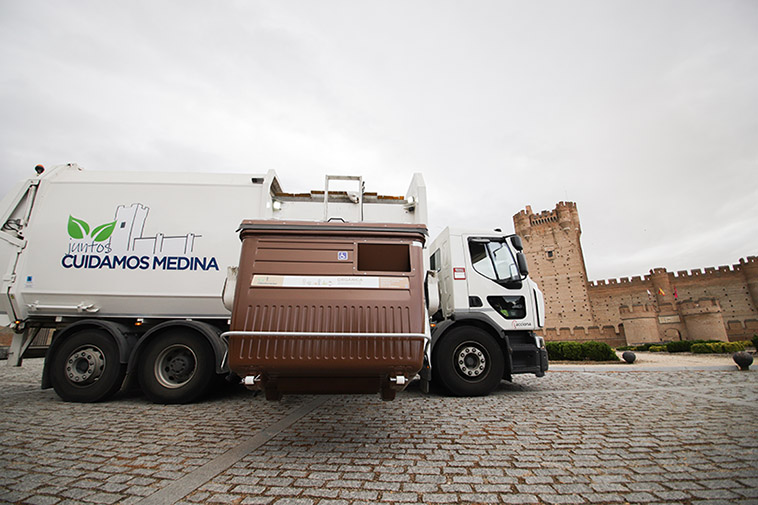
(679, 346)
(717, 347)
(755, 341)
(676, 346)
(580, 351)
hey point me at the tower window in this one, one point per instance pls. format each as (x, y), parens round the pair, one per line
(549, 254)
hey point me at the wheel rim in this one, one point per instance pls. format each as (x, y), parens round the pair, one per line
(175, 366)
(85, 365)
(471, 361)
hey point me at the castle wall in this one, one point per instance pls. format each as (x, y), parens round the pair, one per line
(608, 334)
(729, 286)
(574, 305)
(607, 296)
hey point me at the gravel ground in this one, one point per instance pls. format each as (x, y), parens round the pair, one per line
(681, 359)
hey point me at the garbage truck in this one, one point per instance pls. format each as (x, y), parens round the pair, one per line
(340, 308)
(127, 270)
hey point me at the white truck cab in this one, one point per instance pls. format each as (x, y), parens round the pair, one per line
(488, 309)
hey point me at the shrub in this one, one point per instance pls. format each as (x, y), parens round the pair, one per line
(580, 351)
(657, 348)
(754, 340)
(646, 347)
(598, 351)
(554, 351)
(572, 351)
(679, 346)
(717, 347)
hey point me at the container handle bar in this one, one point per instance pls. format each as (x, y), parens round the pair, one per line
(228, 334)
(82, 307)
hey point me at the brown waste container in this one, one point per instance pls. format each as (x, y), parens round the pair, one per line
(325, 307)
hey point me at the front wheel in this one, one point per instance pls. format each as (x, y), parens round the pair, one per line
(86, 367)
(176, 367)
(468, 362)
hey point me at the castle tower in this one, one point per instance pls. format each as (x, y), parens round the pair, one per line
(556, 263)
(703, 319)
(662, 289)
(640, 323)
(130, 222)
(750, 268)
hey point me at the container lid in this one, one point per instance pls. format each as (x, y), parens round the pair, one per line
(271, 226)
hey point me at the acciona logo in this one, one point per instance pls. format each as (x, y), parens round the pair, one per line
(120, 244)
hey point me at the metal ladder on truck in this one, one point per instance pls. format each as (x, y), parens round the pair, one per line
(355, 197)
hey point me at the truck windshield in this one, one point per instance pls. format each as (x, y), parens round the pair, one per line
(493, 260)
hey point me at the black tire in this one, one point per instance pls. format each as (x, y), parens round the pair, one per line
(86, 367)
(468, 362)
(177, 366)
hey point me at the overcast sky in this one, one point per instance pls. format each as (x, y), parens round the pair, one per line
(645, 113)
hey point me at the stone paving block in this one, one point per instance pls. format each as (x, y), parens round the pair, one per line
(590, 437)
(42, 500)
(604, 498)
(103, 498)
(517, 498)
(560, 498)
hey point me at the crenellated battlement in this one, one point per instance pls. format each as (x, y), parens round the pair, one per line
(610, 334)
(638, 310)
(564, 214)
(701, 306)
(641, 280)
(699, 274)
(667, 308)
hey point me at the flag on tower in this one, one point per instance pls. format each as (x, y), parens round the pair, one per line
(676, 296)
(660, 292)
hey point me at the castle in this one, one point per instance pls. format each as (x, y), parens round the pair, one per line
(128, 235)
(719, 303)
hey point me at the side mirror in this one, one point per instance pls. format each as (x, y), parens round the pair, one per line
(521, 260)
(516, 241)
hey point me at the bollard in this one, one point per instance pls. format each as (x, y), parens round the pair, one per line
(743, 360)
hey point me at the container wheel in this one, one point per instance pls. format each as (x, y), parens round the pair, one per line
(86, 367)
(468, 362)
(176, 367)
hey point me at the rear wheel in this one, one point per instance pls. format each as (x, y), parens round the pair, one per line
(86, 367)
(468, 362)
(176, 367)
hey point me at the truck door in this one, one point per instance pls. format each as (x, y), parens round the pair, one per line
(15, 210)
(496, 285)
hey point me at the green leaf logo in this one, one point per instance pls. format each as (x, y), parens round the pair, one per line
(103, 232)
(78, 228)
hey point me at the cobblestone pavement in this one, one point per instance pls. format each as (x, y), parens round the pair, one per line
(571, 437)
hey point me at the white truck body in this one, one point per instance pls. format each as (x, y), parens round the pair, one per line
(459, 279)
(79, 243)
(487, 313)
(128, 269)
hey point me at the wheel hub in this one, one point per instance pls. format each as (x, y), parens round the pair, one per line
(175, 366)
(471, 361)
(85, 365)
